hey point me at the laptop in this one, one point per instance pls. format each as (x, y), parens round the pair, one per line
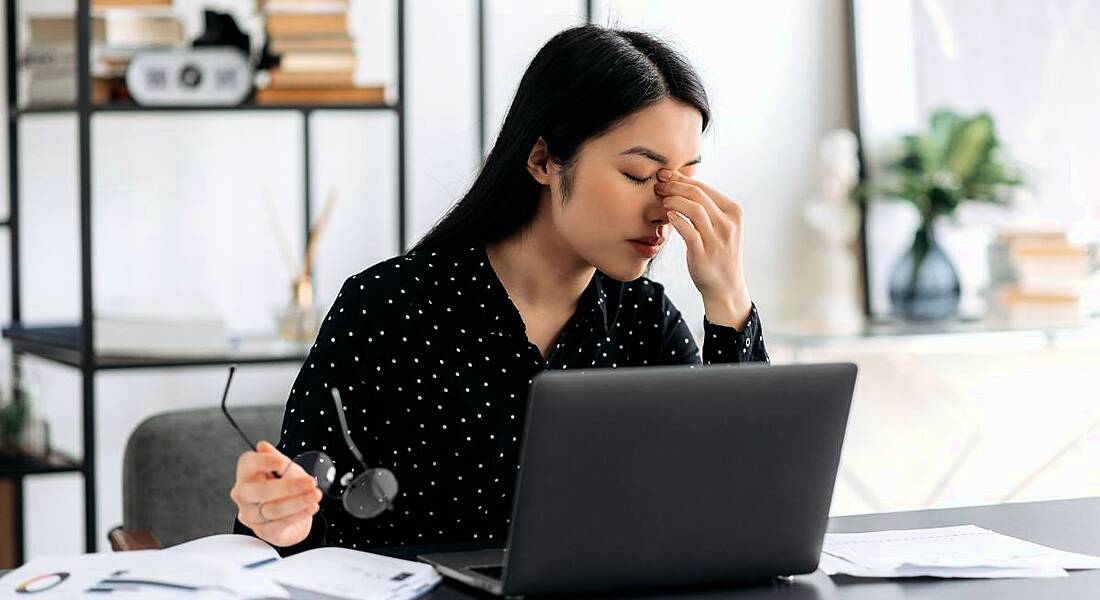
(657, 476)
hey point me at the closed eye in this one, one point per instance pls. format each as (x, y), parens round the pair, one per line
(637, 181)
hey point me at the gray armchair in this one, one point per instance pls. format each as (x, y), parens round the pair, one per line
(177, 471)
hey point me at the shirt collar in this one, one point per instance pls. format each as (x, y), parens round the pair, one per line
(593, 300)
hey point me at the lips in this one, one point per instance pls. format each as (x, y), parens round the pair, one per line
(647, 248)
(650, 241)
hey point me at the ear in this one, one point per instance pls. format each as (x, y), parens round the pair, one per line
(539, 163)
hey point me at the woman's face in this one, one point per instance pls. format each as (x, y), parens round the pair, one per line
(611, 200)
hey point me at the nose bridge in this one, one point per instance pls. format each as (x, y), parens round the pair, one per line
(655, 212)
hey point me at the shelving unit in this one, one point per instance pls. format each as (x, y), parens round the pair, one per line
(73, 344)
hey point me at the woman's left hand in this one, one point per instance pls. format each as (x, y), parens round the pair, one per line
(714, 244)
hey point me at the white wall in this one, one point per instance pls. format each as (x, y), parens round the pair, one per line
(179, 221)
(776, 76)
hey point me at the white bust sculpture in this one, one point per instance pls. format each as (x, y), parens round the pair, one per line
(833, 304)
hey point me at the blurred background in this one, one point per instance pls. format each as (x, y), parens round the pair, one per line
(921, 182)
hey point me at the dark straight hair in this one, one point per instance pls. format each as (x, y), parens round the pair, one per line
(582, 82)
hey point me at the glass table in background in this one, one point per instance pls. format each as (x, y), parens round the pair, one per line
(800, 339)
(802, 335)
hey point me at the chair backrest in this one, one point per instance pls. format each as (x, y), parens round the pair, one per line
(179, 466)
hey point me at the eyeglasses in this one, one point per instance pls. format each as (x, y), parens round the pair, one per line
(364, 496)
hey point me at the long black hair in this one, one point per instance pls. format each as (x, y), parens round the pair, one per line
(582, 82)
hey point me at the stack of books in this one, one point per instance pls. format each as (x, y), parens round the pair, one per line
(1040, 277)
(118, 29)
(48, 77)
(129, 27)
(316, 55)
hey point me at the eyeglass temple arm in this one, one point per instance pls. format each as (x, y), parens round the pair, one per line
(240, 432)
(225, 411)
(345, 431)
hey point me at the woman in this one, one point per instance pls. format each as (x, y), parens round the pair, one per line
(539, 266)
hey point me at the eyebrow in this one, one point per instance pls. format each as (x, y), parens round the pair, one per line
(656, 156)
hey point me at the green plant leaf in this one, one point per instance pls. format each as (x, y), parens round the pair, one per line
(955, 160)
(942, 130)
(970, 147)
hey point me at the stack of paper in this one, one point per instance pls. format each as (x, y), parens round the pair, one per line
(223, 566)
(963, 551)
(145, 574)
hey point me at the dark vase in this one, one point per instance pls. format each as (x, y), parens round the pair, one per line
(924, 285)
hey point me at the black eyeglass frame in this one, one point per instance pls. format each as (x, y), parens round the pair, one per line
(379, 481)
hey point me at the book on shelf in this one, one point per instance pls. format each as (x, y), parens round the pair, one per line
(1051, 236)
(337, 61)
(275, 4)
(306, 24)
(298, 6)
(61, 30)
(102, 4)
(1037, 308)
(366, 95)
(52, 59)
(312, 44)
(114, 29)
(112, 63)
(140, 31)
(130, 335)
(47, 89)
(1051, 269)
(277, 79)
(301, 5)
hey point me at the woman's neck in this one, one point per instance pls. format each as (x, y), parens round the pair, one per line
(538, 268)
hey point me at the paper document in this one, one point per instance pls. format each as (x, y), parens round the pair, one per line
(962, 551)
(348, 574)
(243, 551)
(145, 574)
(222, 566)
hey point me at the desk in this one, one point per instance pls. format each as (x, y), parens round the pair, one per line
(1072, 525)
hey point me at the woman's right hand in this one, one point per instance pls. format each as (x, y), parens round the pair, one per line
(288, 503)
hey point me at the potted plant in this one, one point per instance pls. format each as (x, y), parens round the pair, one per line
(17, 423)
(957, 159)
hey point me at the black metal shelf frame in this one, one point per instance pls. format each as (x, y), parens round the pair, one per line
(62, 344)
(73, 345)
(137, 108)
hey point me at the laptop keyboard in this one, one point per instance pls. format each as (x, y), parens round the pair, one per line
(492, 571)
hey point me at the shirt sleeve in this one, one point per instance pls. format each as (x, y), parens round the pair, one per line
(345, 356)
(721, 344)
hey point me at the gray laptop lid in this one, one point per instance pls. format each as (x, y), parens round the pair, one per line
(649, 476)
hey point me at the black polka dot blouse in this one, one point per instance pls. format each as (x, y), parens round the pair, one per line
(433, 364)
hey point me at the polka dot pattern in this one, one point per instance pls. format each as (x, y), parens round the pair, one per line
(433, 363)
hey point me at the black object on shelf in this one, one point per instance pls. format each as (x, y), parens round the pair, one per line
(73, 345)
(220, 29)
